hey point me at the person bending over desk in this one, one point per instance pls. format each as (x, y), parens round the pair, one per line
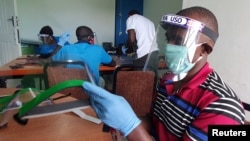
(141, 40)
(188, 98)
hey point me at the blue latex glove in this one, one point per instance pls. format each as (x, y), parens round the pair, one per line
(112, 109)
(124, 49)
(63, 39)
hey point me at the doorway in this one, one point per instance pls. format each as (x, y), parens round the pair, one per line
(9, 33)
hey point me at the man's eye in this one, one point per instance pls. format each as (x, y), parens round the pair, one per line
(169, 38)
(178, 41)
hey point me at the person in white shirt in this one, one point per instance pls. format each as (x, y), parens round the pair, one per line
(141, 40)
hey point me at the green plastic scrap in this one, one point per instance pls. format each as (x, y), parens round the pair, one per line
(46, 94)
(4, 101)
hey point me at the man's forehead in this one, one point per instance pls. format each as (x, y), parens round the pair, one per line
(193, 23)
(176, 31)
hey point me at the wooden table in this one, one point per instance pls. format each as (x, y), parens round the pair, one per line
(31, 68)
(66, 127)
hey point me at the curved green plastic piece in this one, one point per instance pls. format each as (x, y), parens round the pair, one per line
(7, 99)
(46, 94)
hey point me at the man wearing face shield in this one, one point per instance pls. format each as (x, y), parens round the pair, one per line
(188, 98)
(49, 42)
(86, 51)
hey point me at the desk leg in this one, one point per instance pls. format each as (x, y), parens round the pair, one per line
(3, 82)
(30, 81)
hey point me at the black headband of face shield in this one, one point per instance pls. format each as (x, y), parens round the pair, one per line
(88, 35)
(207, 31)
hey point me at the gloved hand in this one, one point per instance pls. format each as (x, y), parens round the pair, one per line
(124, 49)
(63, 39)
(112, 109)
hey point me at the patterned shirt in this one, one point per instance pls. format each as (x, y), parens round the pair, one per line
(185, 114)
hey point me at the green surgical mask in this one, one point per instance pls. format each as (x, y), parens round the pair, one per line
(176, 57)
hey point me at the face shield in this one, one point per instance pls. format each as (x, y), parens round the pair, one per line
(46, 48)
(44, 38)
(10, 104)
(182, 36)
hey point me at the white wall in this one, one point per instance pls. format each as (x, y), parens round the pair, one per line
(232, 53)
(67, 15)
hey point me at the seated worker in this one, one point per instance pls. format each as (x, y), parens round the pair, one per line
(49, 41)
(50, 45)
(189, 98)
(93, 55)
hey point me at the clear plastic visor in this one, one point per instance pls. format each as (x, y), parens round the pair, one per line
(44, 38)
(178, 37)
(180, 31)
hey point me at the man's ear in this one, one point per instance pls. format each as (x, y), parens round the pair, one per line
(207, 48)
(91, 40)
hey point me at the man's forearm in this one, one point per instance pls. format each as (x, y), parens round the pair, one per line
(139, 134)
(58, 47)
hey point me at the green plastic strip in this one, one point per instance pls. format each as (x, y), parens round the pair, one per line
(46, 94)
(4, 101)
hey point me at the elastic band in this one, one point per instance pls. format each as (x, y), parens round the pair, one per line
(207, 31)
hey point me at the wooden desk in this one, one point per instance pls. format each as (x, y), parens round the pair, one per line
(31, 68)
(66, 127)
(28, 69)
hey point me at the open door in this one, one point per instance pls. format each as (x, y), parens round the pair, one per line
(10, 46)
(121, 15)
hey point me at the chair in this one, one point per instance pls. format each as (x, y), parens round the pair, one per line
(136, 86)
(56, 71)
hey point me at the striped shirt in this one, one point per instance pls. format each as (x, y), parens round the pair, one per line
(186, 114)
